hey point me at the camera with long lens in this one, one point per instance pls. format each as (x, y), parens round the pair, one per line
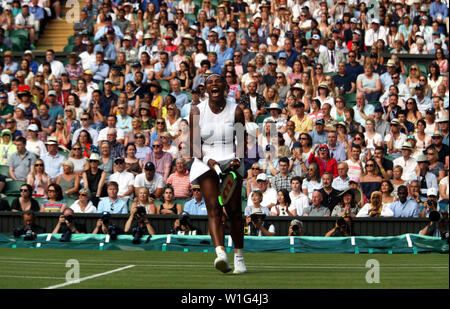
(28, 232)
(137, 234)
(140, 212)
(185, 219)
(256, 218)
(69, 218)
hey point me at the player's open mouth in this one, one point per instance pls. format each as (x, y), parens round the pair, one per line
(215, 91)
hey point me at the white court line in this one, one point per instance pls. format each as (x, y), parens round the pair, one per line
(87, 278)
(31, 277)
(262, 266)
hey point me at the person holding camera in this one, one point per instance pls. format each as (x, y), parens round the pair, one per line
(183, 226)
(342, 228)
(30, 229)
(296, 228)
(141, 224)
(104, 226)
(430, 204)
(255, 225)
(438, 226)
(67, 226)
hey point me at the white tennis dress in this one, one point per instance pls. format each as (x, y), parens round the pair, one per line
(217, 133)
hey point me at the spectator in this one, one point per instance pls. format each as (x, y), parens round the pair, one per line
(437, 145)
(179, 180)
(269, 195)
(319, 135)
(296, 228)
(25, 202)
(369, 84)
(196, 206)
(329, 194)
(52, 159)
(342, 228)
(112, 203)
(283, 204)
(283, 178)
(435, 167)
(384, 165)
(144, 200)
(57, 68)
(124, 179)
(404, 207)
(316, 209)
(423, 175)
(395, 139)
(370, 180)
(407, 162)
(68, 180)
(94, 179)
(84, 204)
(337, 150)
(168, 206)
(38, 179)
(55, 199)
(161, 159)
(347, 203)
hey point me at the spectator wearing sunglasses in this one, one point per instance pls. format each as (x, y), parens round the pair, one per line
(196, 206)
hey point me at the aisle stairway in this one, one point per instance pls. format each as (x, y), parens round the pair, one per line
(57, 32)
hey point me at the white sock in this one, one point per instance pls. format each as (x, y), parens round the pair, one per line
(239, 254)
(220, 252)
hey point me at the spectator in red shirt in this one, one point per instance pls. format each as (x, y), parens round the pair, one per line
(325, 163)
(180, 181)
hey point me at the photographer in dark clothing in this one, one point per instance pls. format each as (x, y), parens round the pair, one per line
(438, 226)
(255, 225)
(67, 226)
(138, 224)
(105, 226)
(29, 228)
(342, 228)
(183, 226)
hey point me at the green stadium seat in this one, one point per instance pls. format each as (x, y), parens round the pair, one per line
(64, 153)
(191, 17)
(164, 85)
(69, 201)
(13, 187)
(350, 98)
(4, 170)
(261, 118)
(10, 199)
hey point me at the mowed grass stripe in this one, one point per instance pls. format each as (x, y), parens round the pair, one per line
(179, 270)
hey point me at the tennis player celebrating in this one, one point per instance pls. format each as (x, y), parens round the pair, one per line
(215, 143)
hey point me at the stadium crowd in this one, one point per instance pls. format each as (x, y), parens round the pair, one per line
(337, 123)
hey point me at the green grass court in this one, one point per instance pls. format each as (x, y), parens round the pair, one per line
(44, 268)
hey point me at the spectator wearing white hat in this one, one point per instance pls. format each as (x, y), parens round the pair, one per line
(269, 195)
(375, 33)
(407, 162)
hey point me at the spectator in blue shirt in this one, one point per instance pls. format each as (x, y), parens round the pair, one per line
(405, 207)
(112, 203)
(438, 11)
(108, 25)
(196, 206)
(181, 99)
(100, 68)
(224, 53)
(319, 135)
(291, 53)
(108, 49)
(165, 69)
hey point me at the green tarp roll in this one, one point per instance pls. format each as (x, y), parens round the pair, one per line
(408, 243)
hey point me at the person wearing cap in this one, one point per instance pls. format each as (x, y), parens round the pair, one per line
(94, 178)
(387, 77)
(151, 180)
(407, 162)
(7, 147)
(395, 139)
(427, 179)
(375, 33)
(196, 206)
(275, 112)
(29, 107)
(107, 48)
(131, 52)
(423, 102)
(444, 128)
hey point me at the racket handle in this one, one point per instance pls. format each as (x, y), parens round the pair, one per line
(217, 169)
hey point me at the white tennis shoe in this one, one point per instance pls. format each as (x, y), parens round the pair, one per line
(221, 263)
(239, 266)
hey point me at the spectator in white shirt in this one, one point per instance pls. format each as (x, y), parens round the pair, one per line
(407, 162)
